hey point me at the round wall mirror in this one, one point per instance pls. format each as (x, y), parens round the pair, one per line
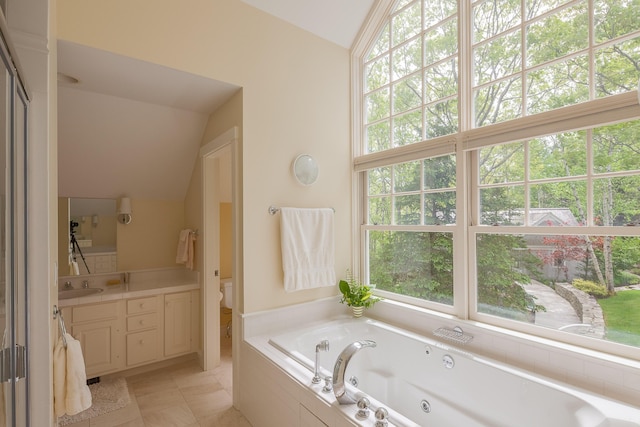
(305, 169)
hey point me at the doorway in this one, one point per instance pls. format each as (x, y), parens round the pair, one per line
(218, 189)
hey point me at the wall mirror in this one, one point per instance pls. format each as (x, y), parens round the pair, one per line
(88, 236)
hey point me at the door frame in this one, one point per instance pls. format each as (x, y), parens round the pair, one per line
(210, 154)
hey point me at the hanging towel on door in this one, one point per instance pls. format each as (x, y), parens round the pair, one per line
(71, 394)
(307, 243)
(185, 253)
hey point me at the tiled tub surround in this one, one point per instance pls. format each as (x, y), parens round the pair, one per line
(615, 378)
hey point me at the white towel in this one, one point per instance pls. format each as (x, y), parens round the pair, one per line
(185, 252)
(70, 391)
(307, 240)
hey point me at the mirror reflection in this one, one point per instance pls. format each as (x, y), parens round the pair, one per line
(91, 225)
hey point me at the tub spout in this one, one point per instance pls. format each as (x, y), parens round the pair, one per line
(340, 369)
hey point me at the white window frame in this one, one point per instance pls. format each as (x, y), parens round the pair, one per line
(590, 114)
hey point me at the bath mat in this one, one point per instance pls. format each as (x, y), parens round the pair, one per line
(107, 396)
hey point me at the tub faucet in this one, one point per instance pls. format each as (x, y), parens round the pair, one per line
(322, 346)
(340, 369)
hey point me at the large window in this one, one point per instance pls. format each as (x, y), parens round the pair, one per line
(499, 151)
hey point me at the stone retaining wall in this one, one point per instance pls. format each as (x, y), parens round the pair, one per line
(586, 307)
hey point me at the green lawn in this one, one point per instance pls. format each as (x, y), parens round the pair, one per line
(622, 317)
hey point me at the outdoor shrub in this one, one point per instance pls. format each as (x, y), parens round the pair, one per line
(595, 289)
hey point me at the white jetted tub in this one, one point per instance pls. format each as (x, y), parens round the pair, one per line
(435, 385)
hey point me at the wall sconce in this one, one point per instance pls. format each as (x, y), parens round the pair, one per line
(305, 169)
(124, 212)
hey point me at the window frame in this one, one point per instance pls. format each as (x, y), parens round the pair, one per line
(463, 144)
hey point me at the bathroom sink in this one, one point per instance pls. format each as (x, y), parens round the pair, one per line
(76, 293)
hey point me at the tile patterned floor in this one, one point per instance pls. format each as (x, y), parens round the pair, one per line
(181, 395)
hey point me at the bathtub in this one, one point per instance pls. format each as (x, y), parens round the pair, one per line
(423, 382)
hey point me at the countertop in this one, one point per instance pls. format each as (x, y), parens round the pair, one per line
(134, 290)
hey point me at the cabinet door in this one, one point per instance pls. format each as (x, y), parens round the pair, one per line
(98, 342)
(177, 323)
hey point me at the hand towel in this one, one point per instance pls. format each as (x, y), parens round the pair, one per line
(307, 243)
(78, 395)
(185, 253)
(59, 378)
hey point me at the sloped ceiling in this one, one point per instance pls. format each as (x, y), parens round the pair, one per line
(335, 20)
(132, 128)
(129, 127)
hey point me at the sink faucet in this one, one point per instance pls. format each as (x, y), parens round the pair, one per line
(340, 369)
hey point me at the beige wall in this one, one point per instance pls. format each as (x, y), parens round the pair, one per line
(151, 239)
(295, 99)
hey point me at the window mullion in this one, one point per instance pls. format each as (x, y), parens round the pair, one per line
(465, 59)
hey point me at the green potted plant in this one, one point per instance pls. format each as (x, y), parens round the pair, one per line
(357, 295)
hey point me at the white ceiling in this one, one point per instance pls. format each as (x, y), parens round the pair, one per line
(129, 127)
(133, 128)
(335, 20)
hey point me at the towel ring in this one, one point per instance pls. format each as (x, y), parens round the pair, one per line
(57, 314)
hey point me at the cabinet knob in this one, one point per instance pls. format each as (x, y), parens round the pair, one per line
(141, 342)
(142, 305)
(142, 322)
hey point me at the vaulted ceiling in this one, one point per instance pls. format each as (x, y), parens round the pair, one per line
(128, 127)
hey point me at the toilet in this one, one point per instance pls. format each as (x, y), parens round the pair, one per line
(226, 287)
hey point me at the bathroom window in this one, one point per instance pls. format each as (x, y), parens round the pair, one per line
(498, 151)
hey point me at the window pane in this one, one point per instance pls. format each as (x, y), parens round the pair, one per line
(407, 59)
(558, 155)
(441, 119)
(571, 195)
(406, 177)
(407, 210)
(407, 94)
(416, 264)
(407, 128)
(617, 201)
(538, 7)
(614, 18)
(493, 17)
(441, 81)
(407, 23)
(502, 163)
(502, 205)
(557, 35)
(501, 262)
(434, 14)
(441, 42)
(379, 181)
(498, 58)
(381, 45)
(378, 137)
(617, 68)
(376, 73)
(440, 172)
(530, 278)
(558, 85)
(440, 208)
(380, 210)
(616, 148)
(498, 102)
(377, 105)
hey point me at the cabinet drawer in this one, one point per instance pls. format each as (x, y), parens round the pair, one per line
(95, 312)
(143, 321)
(141, 305)
(142, 347)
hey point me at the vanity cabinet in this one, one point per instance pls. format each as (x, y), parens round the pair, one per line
(177, 323)
(98, 327)
(133, 332)
(143, 330)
